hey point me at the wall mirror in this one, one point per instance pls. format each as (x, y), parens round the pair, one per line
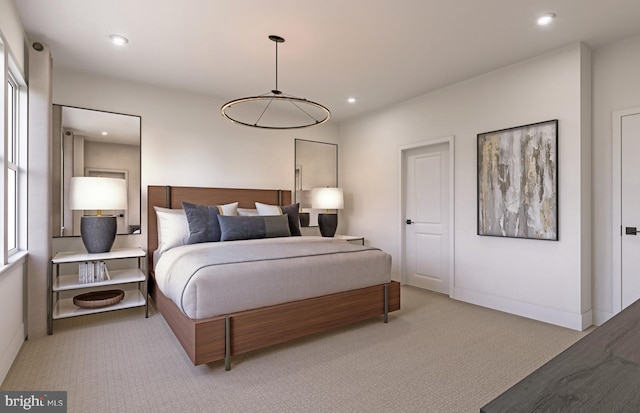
(90, 142)
(316, 166)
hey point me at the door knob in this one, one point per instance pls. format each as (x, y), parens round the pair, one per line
(409, 222)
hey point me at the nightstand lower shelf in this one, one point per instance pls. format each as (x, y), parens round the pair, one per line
(65, 307)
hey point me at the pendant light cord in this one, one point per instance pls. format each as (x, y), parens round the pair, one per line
(277, 67)
(276, 40)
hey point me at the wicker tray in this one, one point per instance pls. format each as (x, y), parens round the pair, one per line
(97, 299)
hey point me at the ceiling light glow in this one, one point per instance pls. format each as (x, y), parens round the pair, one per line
(546, 19)
(105, 133)
(118, 40)
(351, 100)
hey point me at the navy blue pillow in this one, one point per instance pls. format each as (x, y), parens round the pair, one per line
(234, 228)
(203, 224)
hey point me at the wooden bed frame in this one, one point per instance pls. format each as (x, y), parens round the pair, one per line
(216, 338)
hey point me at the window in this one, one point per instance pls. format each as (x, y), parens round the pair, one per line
(13, 161)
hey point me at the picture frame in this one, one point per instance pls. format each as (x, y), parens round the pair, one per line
(518, 182)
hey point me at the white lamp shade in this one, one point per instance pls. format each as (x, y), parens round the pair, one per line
(96, 193)
(327, 198)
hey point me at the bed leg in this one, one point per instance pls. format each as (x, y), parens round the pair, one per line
(386, 303)
(227, 343)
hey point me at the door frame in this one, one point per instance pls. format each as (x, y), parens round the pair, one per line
(616, 207)
(450, 140)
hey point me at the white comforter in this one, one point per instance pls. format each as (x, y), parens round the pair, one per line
(210, 279)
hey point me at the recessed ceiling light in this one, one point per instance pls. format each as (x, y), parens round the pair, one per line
(546, 19)
(119, 40)
(351, 100)
(105, 133)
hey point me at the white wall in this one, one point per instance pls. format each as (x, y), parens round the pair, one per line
(39, 189)
(12, 326)
(538, 279)
(185, 140)
(12, 280)
(12, 33)
(616, 86)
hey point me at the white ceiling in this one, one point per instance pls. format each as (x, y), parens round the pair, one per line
(380, 51)
(122, 129)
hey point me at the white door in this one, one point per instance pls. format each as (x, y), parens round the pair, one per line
(630, 191)
(426, 203)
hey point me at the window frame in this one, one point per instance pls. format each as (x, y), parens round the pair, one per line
(12, 164)
(13, 158)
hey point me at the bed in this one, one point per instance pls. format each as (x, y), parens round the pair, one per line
(209, 332)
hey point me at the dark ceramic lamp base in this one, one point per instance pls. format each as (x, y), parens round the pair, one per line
(98, 233)
(304, 219)
(328, 223)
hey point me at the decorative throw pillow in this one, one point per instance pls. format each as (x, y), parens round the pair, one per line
(290, 210)
(203, 222)
(173, 228)
(253, 227)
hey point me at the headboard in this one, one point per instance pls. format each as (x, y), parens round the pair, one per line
(173, 196)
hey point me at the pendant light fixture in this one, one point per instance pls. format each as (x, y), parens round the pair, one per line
(275, 109)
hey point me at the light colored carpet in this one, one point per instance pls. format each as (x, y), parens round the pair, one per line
(434, 355)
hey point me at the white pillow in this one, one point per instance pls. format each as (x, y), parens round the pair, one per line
(173, 228)
(229, 209)
(247, 212)
(266, 209)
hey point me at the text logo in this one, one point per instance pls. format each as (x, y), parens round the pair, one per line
(33, 401)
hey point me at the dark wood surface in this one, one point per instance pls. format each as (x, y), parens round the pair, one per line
(599, 373)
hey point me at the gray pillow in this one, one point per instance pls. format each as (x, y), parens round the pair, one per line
(253, 227)
(203, 224)
(291, 210)
(294, 219)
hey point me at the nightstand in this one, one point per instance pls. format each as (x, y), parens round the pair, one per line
(63, 307)
(350, 238)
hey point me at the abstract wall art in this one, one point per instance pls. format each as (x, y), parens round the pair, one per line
(518, 182)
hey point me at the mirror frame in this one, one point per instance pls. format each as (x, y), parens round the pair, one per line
(58, 174)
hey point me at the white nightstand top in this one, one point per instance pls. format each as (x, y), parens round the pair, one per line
(76, 256)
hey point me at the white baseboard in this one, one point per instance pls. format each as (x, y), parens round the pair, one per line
(574, 321)
(11, 352)
(600, 317)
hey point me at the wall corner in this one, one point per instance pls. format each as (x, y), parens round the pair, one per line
(39, 188)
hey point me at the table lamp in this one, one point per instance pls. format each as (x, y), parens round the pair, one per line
(96, 193)
(327, 199)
